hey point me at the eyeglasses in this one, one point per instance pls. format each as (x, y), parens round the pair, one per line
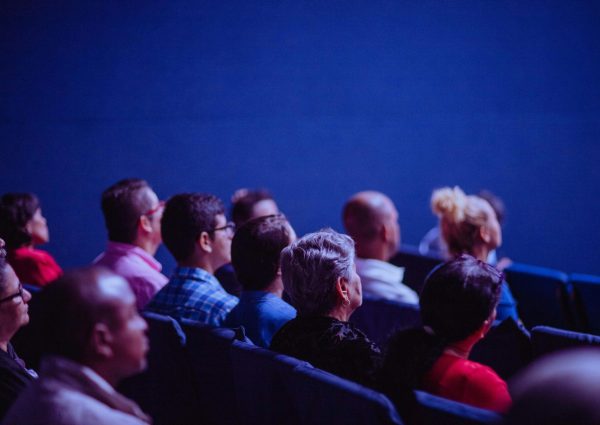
(156, 209)
(229, 227)
(15, 295)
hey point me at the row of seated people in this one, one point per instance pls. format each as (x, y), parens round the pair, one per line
(194, 229)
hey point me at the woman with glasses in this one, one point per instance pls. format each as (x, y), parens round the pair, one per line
(458, 306)
(23, 226)
(14, 377)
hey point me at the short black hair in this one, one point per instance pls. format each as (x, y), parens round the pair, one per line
(123, 204)
(16, 209)
(185, 217)
(256, 248)
(243, 203)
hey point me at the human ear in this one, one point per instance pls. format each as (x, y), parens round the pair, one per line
(101, 340)
(205, 242)
(341, 287)
(484, 234)
(144, 223)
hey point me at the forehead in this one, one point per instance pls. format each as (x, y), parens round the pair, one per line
(264, 208)
(220, 220)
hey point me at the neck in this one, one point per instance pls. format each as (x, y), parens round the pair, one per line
(104, 372)
(275, 287)
(372, 250)
(481, 252)
(340, 313)
(147, 245)
(463, 348)
(198, 262)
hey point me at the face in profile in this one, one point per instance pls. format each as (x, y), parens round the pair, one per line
(154, 214)
(221, 244)
(38, 228)
(129, 340)
(13, 304)
(354, 289)
(264, 208)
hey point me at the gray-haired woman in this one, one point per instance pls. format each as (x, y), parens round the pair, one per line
(320, 278)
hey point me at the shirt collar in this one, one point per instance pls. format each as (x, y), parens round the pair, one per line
(129, 249)
(370, 267)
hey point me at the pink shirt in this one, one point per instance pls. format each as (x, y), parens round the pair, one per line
(139, 268)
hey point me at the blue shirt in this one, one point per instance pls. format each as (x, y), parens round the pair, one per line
(507, 306)
(193, 293)
(262, 314)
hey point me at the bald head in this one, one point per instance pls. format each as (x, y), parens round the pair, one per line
(371, 219)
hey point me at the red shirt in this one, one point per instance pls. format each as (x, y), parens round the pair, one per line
(467, 382)
(34, 266)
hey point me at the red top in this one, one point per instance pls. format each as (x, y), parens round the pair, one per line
(34, 266)
(467, 382)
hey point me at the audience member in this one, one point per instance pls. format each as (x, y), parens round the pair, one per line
(469, 226)
(320, 277)
(433, 244)
(255, 253)
(246, 204)
(132, 214)
(14, 376)
(458, 306)
(560, 389)
(197, 234)
(372, 221)
(23, 226)
(93, 337)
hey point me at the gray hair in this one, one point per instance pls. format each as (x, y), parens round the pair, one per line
(311, 266)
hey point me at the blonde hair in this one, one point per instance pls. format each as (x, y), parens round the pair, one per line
(461, 216)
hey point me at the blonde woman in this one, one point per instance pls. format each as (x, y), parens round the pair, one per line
(469, 225)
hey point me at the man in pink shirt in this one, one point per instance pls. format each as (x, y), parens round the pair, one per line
(132, 213)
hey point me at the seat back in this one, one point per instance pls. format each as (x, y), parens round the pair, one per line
(587, 299)
(320, 397)
(416, 266)
(165, 390)
(261, 393)
(506, 348)
(433, 410)
(545, 340)
(542, 295)
(380, 318)
(208, 351)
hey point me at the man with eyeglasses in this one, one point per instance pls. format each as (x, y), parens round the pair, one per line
(197, 234)
(132, 213)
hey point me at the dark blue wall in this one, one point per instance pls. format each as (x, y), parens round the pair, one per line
(315, 100)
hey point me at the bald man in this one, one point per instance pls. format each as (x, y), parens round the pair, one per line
(371, 219)
(93, 337)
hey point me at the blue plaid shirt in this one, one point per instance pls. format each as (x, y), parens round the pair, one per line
(195, 294)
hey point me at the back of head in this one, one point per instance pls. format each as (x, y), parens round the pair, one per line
(560, 389)
(16, 209)
(68, 311)
(256, 248)
(244, 202)
(185, 217)
(310, 268)
(458, 297)
(122, 205)
(362, 215)
(461, 217)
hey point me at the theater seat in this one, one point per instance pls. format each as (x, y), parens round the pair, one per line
(380, 318)
(165, 390)
(545, 340)
(587, 299)
(433, 410)
(416, 266)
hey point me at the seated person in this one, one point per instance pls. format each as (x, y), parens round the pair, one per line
(132, 214)
(93, 337)
(22, 226)
(246, 204)
(458, 307)
(372, 221)
(320, 277)
(255, 252)
(14, 377)
(196, 233)
(469, 226)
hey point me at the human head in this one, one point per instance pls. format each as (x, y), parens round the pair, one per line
(256, 248)
(467, 223)
(89, 316)
(371, 219)
(132, 214)
(558, 389)
(459, 296)
(247, 204)
(319, 274)
(21, 220)
(13, 307)
(189, 227)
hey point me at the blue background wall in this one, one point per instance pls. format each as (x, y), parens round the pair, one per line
(314, 100)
